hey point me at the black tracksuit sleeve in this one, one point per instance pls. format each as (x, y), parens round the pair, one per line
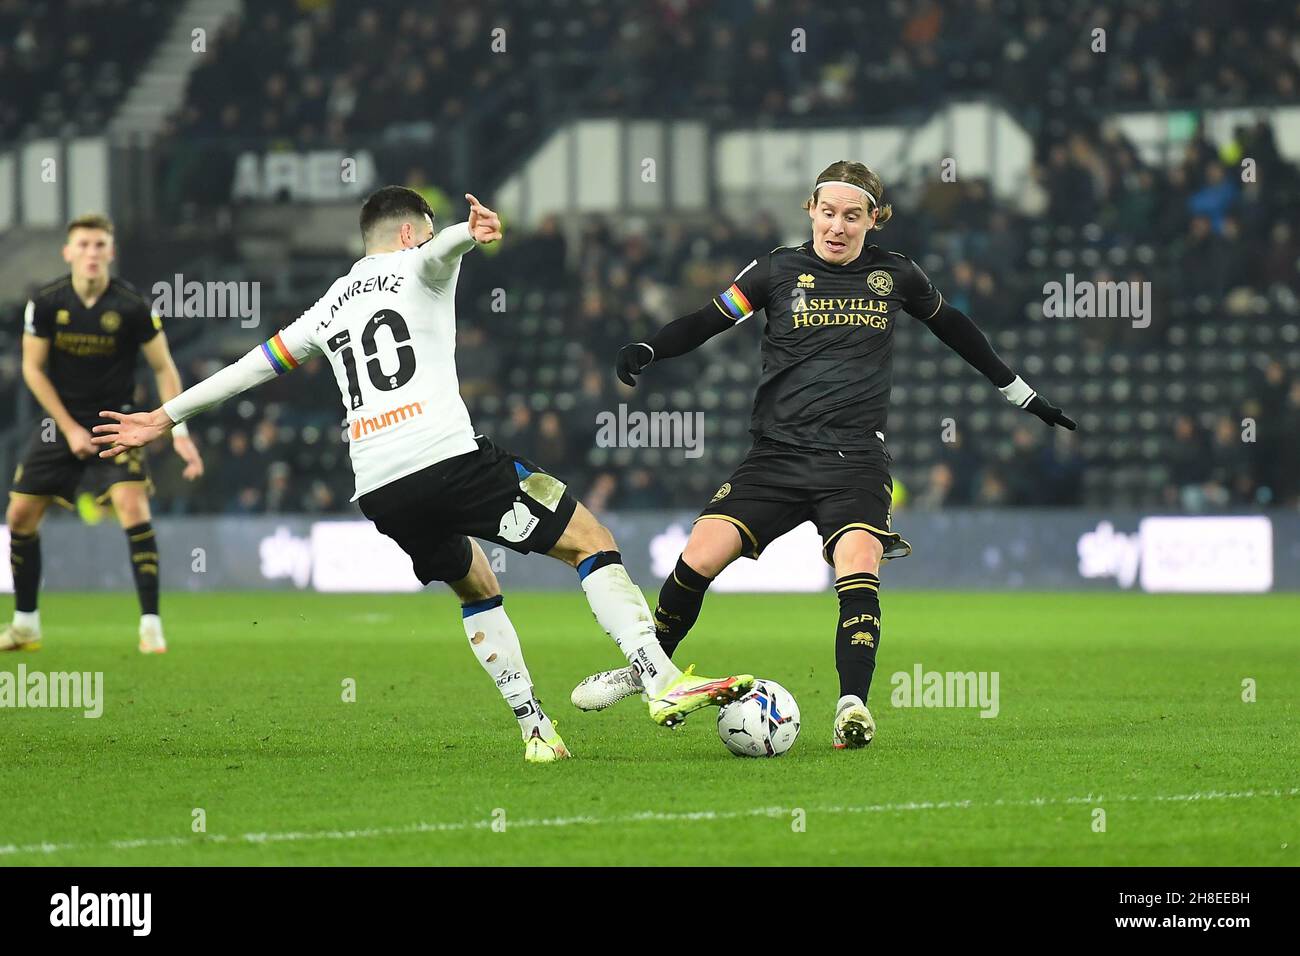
(689, 332)
(955, 329)
(745, 296)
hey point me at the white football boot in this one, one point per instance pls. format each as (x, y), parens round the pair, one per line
(606, 689)
(15, 638)
(854, 726)
(151, 635)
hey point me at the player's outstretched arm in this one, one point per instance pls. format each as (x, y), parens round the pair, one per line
(484, 224)
(282, 353)
(441, 253)
(956, 330)
(676, 338)
(130, 431)
(745, 296)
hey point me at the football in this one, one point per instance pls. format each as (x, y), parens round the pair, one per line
(763, 723)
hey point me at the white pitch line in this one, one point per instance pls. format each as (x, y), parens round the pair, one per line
(643, 816)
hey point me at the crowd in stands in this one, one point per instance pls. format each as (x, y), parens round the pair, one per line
(1195, 411)
(1154, 432)
(307, 68)
(65, 64)
(489, 75)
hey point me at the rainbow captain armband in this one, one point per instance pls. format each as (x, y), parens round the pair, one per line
(277, 353)
(734, 304)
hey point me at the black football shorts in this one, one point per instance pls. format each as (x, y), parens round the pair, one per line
(780, 486)
(488, 493)
(50, 469)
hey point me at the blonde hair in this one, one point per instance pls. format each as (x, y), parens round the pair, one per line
(92, 220)
(855, 174)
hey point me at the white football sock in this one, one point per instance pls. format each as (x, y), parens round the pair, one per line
(152, 621)
(28, 619)
(494, 642)
(620, 608)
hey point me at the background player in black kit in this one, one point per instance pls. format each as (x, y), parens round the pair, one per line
(819, 423)
(82, 336)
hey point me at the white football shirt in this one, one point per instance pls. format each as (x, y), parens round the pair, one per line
(388, 330)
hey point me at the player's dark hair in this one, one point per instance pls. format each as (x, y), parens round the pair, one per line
(92, 220)
(395, 203)
(856, 174)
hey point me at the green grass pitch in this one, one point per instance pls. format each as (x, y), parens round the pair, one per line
(1130, 704)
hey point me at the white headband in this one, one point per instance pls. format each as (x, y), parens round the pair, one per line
(839, 182)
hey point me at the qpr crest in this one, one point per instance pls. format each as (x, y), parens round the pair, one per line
(880, 282)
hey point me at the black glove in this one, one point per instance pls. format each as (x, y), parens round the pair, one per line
(1049, 413)
(632, 360)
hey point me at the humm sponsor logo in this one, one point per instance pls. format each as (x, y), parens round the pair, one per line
(370, 424)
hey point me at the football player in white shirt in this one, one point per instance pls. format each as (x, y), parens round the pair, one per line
(388, 329)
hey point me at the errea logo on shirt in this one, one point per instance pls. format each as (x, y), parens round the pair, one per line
(367, 425)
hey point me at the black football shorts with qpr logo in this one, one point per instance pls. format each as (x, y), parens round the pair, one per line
(488, 493)
(779, 486)
(50, 469)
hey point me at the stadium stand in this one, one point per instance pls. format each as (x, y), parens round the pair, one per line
(58, 74)
(1161, 408)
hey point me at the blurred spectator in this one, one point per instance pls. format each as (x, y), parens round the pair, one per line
(1222, 255)
(992, 491)
(1186, 464)
(1215, 198)
(602, 490)
(938, 490)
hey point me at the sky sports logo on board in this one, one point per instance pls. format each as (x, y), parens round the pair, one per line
(1183, 553)
(78, 909)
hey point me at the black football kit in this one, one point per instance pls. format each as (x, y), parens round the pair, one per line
(92, 363)
(819, 422)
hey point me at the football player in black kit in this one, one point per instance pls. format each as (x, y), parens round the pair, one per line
(82, 336)
(818, 423)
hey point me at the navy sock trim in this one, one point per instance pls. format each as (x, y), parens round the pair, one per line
(601, 559)
(478, 607)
